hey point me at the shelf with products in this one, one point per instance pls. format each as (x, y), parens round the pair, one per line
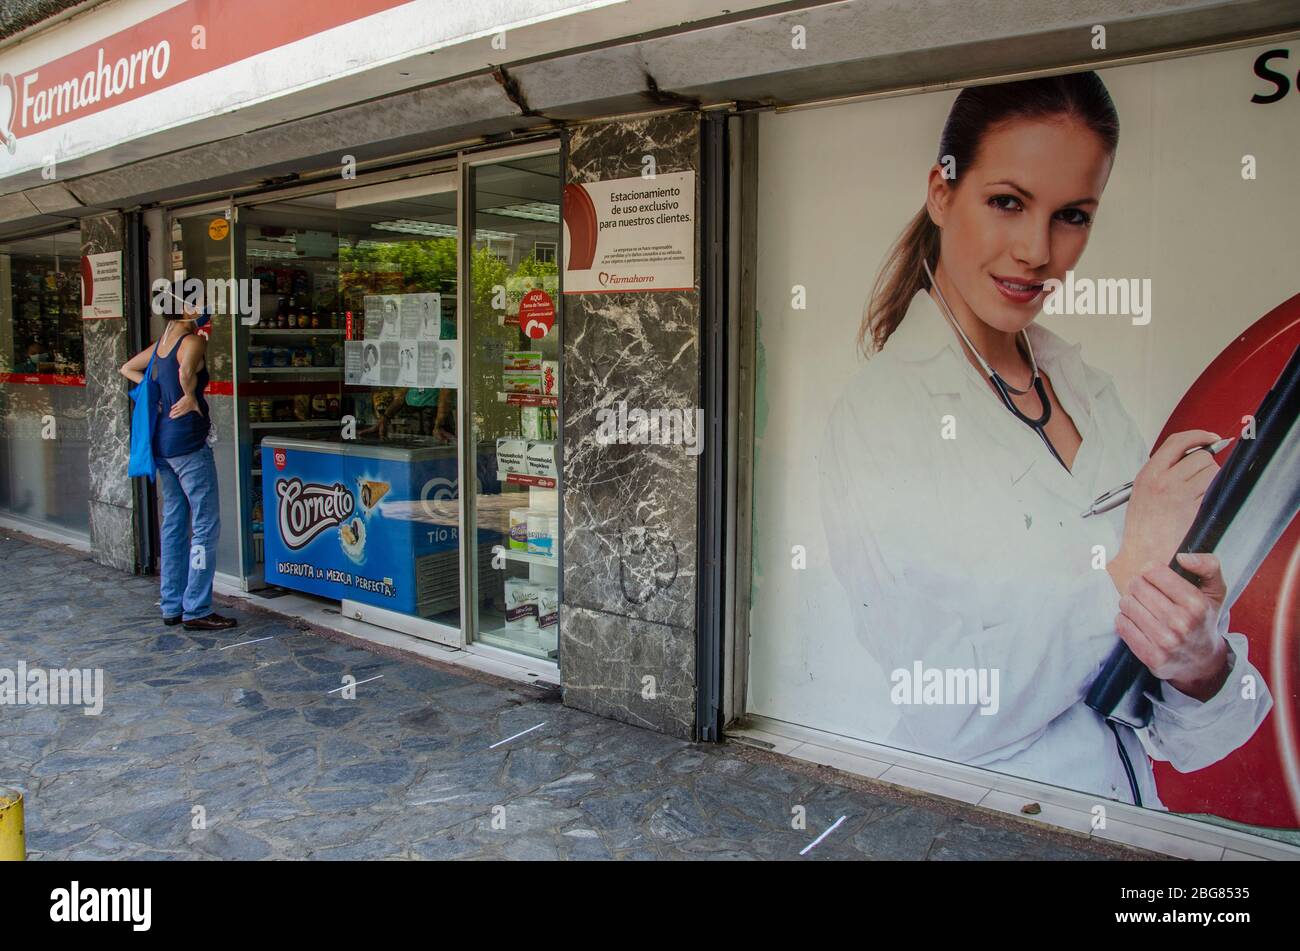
(297, 332)
(298, 424)
(537, 643)
(314, 374)
(545, 561)
(529, 399)
(524, 479)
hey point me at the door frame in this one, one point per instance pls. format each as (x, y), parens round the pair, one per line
(460, 164)
(468, 162)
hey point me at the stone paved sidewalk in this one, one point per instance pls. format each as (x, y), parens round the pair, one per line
(283, 768)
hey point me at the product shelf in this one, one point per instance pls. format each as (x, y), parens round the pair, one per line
(546, 561)
(296, 332)
(529, 399)
(522, 642)
(517, 478)
(298, 373)
(297, 424)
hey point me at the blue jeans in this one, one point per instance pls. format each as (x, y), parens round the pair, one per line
(190, 505)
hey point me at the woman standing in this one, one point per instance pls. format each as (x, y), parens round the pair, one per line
(191, 520)
(959, 460)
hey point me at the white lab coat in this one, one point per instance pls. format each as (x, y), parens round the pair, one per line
(971, 553)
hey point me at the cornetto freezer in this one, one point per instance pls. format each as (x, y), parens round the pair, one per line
(374, 523)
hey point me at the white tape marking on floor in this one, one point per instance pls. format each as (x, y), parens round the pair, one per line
(813, 844)
(517, 735)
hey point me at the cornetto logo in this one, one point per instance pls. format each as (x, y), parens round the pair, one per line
(305, 509)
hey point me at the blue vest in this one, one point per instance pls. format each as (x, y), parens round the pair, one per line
(189, 433)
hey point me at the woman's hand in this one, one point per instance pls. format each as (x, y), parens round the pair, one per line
(1172, 626)
(186, 404)
(1166, 494)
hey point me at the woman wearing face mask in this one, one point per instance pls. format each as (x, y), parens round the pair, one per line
(191, 518)
(952, 493)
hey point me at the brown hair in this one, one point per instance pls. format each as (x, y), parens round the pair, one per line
(977, 109)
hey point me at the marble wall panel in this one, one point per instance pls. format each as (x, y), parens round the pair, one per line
(630, 511)
(108, 412)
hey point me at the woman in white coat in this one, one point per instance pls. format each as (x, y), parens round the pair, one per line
(955, 525)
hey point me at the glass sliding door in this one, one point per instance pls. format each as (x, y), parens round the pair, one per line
(406, 364)
(43, 384)
(398, 259)
(289, 364)
(513, 413)
(200, 243)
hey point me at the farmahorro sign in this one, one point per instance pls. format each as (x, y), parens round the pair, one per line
(188, 40)
(630, 234)
(304, 510)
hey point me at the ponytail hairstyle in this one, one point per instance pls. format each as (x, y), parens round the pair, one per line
(977, 109)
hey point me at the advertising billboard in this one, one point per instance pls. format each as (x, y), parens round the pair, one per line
(1008, 338)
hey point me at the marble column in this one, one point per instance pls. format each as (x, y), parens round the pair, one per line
(108, 411)
(627, 618)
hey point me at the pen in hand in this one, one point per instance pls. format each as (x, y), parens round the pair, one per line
(1121, 494)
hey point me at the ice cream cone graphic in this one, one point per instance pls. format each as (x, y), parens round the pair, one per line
(372, 492)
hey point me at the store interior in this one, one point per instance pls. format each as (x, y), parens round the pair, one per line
(355, 364)
(43, 445)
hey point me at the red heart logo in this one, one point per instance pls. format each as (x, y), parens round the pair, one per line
(8, 108)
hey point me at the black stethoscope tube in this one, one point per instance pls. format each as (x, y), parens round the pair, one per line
(1038, 425)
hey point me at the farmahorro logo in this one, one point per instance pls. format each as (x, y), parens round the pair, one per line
(103, 904)
(606, 278)
(39, 103)
(304, 510)
(58, 686)
(946, 686)
(8, 109)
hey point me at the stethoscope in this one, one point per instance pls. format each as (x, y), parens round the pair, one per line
(1003, 388)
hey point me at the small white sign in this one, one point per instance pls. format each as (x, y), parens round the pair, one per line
(630, 234)
(101, 285)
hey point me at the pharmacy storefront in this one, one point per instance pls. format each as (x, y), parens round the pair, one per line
(390, 299)
(382, 357)
(939, 552)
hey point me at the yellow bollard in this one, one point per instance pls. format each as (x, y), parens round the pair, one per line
(12, 848)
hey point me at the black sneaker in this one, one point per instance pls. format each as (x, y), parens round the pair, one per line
(172, 621)
(210, 622)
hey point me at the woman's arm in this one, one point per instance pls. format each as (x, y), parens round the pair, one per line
(133, 369)
(444, 422)
(193, 349)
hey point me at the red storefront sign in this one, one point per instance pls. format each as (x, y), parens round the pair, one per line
(186, 41)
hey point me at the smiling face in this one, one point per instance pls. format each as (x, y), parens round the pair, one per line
(1018, 216)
